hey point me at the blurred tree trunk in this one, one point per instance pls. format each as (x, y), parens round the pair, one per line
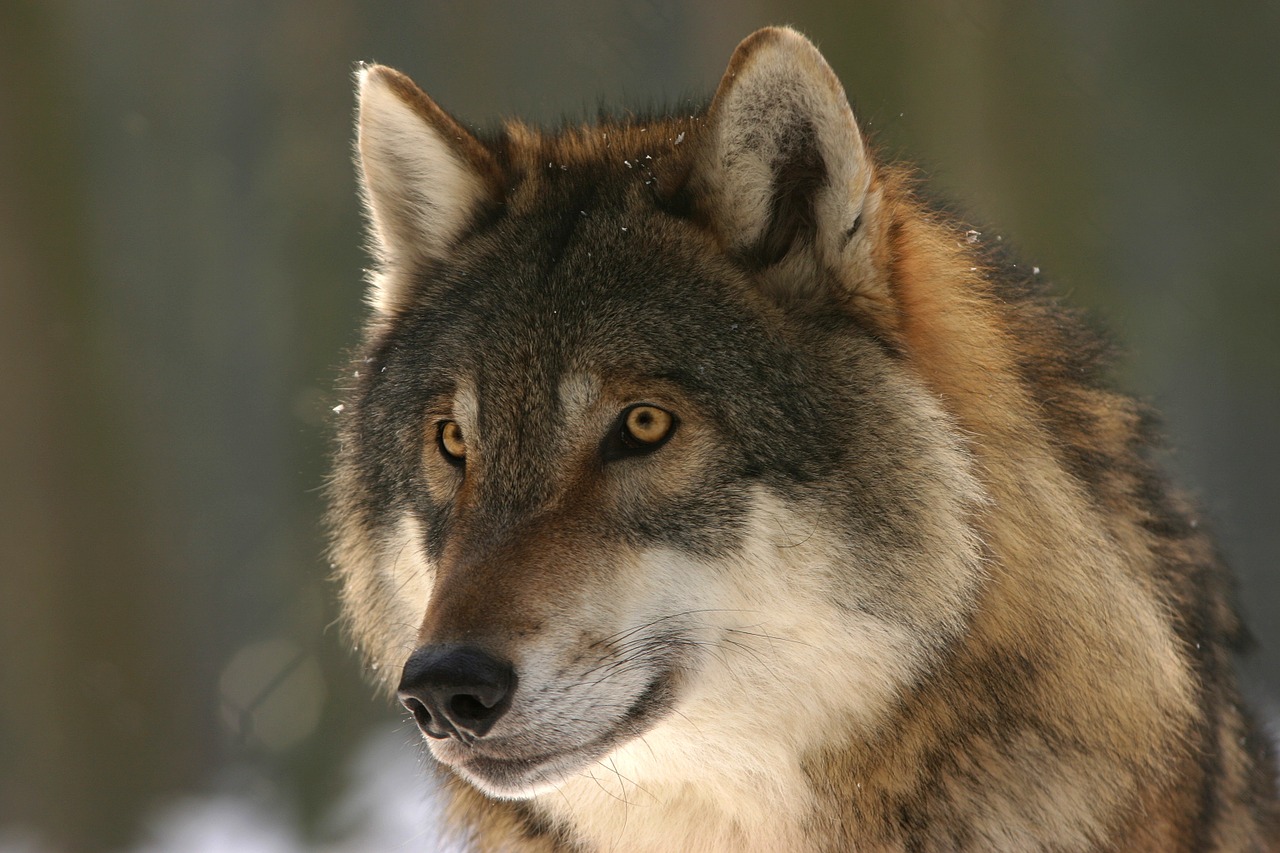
(82, 690)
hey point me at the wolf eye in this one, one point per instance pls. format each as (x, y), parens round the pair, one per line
(646, 425)
(641, 429)
(453, 447)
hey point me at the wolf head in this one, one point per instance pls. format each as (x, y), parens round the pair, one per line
(636, 469)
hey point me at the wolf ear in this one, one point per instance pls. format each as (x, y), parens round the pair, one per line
(784, 161)
(425, 178)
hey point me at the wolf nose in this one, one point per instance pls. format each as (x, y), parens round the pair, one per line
(456, 691)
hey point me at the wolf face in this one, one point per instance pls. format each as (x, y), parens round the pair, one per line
(690, 459)
(604, 464)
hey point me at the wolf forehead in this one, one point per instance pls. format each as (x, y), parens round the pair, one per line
(513, 313)
(589, 279)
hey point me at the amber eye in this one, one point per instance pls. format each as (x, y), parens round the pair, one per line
(646, 425)
(640, 429)
(453, 447)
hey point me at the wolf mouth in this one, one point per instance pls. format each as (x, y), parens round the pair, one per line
(516, 775)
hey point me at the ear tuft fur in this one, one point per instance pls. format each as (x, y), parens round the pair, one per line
(785, 162)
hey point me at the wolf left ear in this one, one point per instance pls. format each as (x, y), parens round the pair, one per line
(784, 161)
(425, 177)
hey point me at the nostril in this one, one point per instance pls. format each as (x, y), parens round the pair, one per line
(465, 708)
(422, 717)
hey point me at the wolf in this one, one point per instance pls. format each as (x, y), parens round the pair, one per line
(704, 488)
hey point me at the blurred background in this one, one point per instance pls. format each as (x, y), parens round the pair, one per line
(180, 273)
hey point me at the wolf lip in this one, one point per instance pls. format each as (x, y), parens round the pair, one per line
(510, 772)
(515, 774)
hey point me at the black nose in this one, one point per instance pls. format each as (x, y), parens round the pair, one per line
(456, 691)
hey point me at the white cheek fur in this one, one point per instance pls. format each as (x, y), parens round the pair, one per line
(780, 667)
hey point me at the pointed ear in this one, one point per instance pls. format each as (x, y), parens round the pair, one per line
(784, 162)
(425, 178)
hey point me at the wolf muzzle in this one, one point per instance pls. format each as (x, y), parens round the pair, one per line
(456, 691)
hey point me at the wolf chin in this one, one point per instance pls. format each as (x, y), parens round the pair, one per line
(702, 489)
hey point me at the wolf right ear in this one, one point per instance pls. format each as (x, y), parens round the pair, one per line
(425, 178)
(785, 167)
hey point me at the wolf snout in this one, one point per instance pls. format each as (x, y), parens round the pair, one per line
(456, 690)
